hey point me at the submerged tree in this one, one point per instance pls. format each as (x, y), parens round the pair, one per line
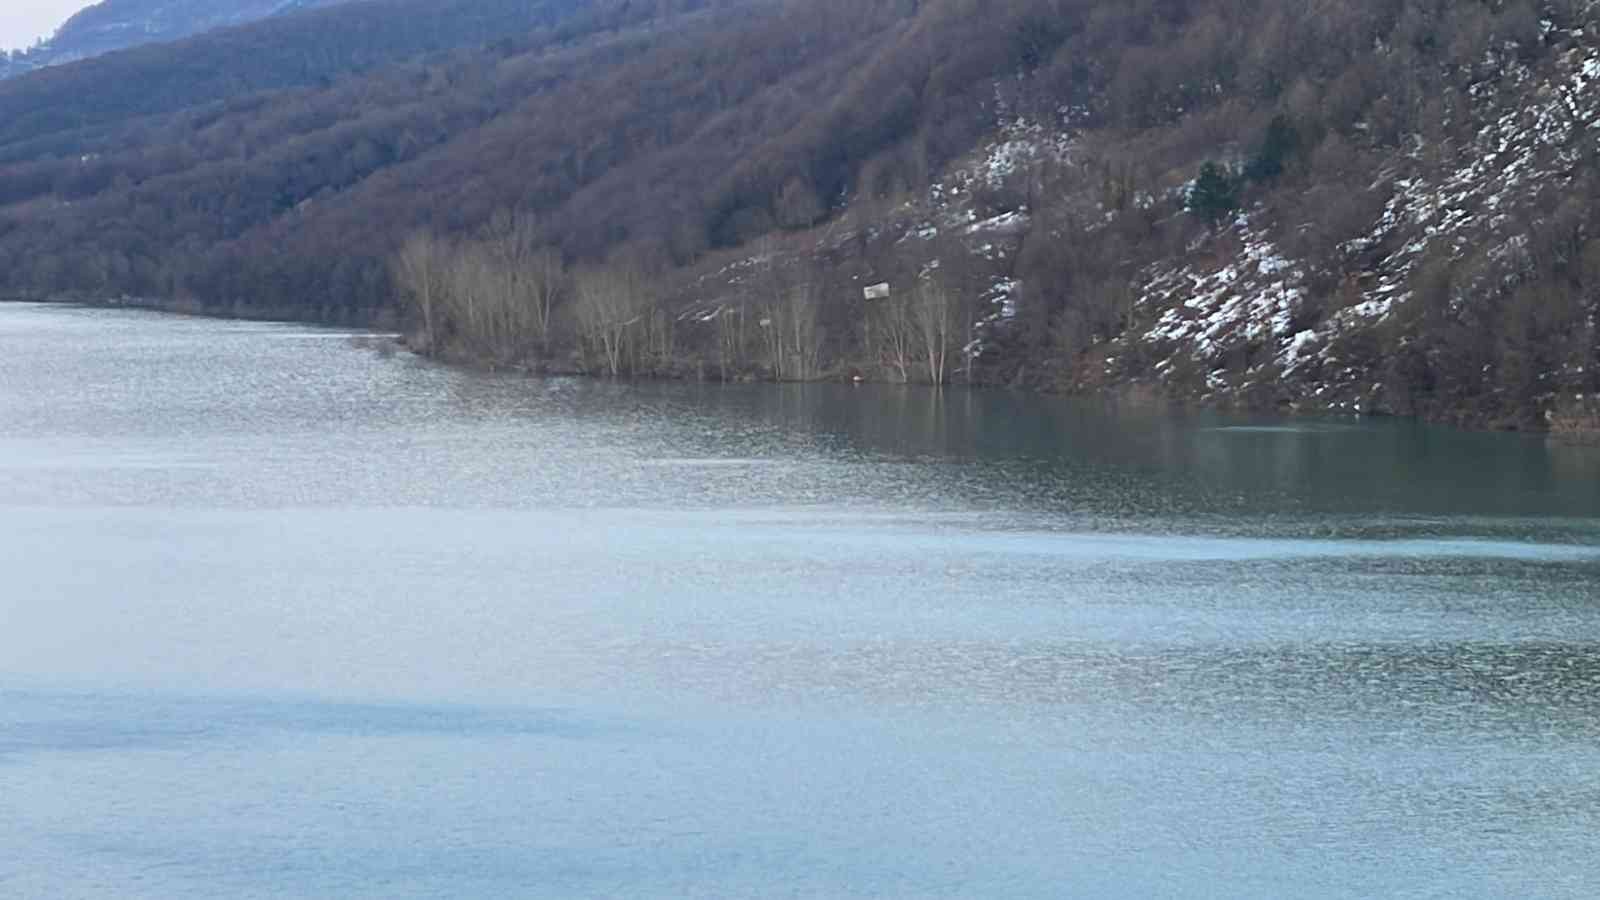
(892, 336)
(610, 306)
(530, 279)
(935, 321)
(419, 271)
(791, 333)
(732, 338)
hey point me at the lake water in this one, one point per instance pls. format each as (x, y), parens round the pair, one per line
(286, 615)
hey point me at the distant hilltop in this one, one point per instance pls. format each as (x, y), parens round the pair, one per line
(119, 24)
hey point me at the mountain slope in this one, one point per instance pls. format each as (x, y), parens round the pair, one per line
(92, 106)
(1468, 286)
(1379, 205)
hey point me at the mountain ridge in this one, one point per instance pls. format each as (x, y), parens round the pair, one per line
(111, 25)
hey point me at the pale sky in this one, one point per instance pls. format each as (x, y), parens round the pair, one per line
(24, 21)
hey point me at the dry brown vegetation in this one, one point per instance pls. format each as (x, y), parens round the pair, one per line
(1576, 420)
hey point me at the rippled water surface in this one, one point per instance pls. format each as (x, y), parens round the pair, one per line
(288, 615)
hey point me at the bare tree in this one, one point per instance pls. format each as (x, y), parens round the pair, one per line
(546, 280)
(769, 298)
(935, 325)
(802, 335)
(894, 334)
(655, 349)
(789, 301)
(472, 290)
(732, 337)
(419, 270)
(532, 277)
(791, 334)
(610, 306)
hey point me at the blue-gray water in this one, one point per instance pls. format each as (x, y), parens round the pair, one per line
(283, 615)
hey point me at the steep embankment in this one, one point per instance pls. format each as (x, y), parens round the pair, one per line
(1470, 294)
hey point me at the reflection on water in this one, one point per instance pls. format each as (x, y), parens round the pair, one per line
(287, 615)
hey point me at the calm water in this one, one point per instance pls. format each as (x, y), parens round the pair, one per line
(287, 616)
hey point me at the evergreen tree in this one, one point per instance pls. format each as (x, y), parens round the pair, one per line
(1281, 141)
(1214, 195)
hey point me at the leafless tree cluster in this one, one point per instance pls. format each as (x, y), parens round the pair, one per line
(492, 297)
(614, 318)
(793, 339)
(784, 299)
(918, 334)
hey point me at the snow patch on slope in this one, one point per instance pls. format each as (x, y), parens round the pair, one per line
(1237, 291)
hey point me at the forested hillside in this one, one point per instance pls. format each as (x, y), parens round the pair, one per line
(1373, 205)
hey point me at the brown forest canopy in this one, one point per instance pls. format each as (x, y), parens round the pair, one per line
(280, 167)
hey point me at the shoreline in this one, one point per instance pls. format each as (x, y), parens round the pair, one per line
(1577, 425)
